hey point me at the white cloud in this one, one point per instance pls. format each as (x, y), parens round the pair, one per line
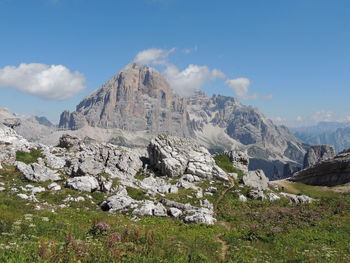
(184, 82)
(241, 88)
(46, 81)
(153, 56)
(191, 79)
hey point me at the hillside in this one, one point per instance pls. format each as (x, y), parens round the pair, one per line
(184, 205)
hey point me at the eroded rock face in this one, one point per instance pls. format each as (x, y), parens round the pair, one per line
(136, 99)
(174, 156)
(331, 172)
(318, 153)
(37, 173)
(256, 179)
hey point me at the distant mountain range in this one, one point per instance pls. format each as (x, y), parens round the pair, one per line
(332, 133)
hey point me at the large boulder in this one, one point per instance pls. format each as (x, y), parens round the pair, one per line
(318, 153)
(69, 142)
(256, 179)
(119, 202)
(37, 173)
(83, 183)
(174, 156)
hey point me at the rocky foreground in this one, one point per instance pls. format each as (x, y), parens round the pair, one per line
(172, 177)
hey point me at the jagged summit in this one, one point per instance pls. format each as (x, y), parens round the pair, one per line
(137, 98)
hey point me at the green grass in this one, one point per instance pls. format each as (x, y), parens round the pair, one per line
(30, 157)
(223, 161)
(137, 194)
(255, 231)
(140, 175)
(312, 191)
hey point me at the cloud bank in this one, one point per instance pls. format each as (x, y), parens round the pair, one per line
(184, 82)
(240, 86)
(191, 79)
(153, 56)
(55, 82)
(194, 77)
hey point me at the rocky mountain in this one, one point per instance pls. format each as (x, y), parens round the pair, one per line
(27, 126)
(139, 99)
(136, 99)
(332, 133)
(43, 121)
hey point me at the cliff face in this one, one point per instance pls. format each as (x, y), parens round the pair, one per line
(330, 172)
(318, 153)
(139, 99)
(136, 99)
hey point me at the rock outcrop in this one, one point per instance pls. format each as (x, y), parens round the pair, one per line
(330, 172)
(174, 156)
(318, 153)
(37, 173)
(173, 177)
(256, 179)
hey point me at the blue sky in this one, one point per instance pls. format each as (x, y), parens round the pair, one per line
(295, 53)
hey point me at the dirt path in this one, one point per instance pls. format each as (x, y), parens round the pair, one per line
(224, 247)
(224, 193)
(226, 225)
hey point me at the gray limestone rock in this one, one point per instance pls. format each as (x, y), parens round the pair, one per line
(148, 208)
(174, 212)
(54, 187)
(69, 142)
(83, 183)
(257, 194)
(37, 173)
(297, 199)
(174, 156)
(272, 197)
(256, 179)
(330, 172)
(242, 198)
(318, 153)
